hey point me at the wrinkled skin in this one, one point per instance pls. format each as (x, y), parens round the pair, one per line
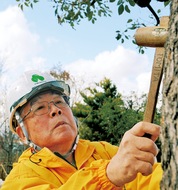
(136, 154)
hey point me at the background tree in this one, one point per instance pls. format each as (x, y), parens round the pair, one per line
(100, 107)
(74, 84)
(105, 114)
(10, 149)
(170, 105)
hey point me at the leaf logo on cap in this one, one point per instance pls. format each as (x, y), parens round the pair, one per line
(36, 78)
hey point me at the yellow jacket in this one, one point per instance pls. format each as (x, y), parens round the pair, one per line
(46, 171)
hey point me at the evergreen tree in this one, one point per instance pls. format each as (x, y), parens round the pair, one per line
(104, 116)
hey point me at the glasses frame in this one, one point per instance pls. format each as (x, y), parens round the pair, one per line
(31, 109)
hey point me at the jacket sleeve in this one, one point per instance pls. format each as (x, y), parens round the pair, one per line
(141, 182)
(91, 178)
(150, 182)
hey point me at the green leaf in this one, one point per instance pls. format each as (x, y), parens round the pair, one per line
(133, 27)
(133, 41)
(126, 37)
(111, 1)
(127, 9)
(158, 11)
(118, 37)
(99, 13)
(120, 2)
(31, 5)
(26, 4)
(56, 12)
(166, 3)
(72, 24)
(130, 20)
(90, 15)
(121, 9)
(21, 6)
(141, 50)
(131, 2)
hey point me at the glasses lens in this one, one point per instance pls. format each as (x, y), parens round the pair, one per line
(59, 103)
(40, 108)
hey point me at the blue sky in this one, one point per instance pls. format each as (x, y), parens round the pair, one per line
(34, 40)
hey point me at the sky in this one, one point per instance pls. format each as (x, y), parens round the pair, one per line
(33, 39)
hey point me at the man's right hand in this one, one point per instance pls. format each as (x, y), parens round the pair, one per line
(136, 154)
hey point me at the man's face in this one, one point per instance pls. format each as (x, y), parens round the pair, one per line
(53, 127)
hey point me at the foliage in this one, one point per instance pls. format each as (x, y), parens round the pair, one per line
(73, 11)
(10, 149)
(60, 74)
(105, 115)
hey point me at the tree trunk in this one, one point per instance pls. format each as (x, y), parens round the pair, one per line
(169, 137)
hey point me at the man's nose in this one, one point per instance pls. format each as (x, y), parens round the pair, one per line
(53, 109)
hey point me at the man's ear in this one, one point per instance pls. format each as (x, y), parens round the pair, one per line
(20, 133)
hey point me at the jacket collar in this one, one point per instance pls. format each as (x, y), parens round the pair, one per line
(46, 158)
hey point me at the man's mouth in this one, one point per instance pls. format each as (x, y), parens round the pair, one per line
(60, 123)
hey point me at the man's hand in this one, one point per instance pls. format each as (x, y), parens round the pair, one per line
(136, 154)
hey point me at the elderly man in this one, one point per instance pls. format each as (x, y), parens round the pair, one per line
(57, 159)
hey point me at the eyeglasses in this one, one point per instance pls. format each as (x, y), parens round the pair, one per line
(42, 108)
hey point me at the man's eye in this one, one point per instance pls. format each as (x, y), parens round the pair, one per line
(58, 102)
(40, 107)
